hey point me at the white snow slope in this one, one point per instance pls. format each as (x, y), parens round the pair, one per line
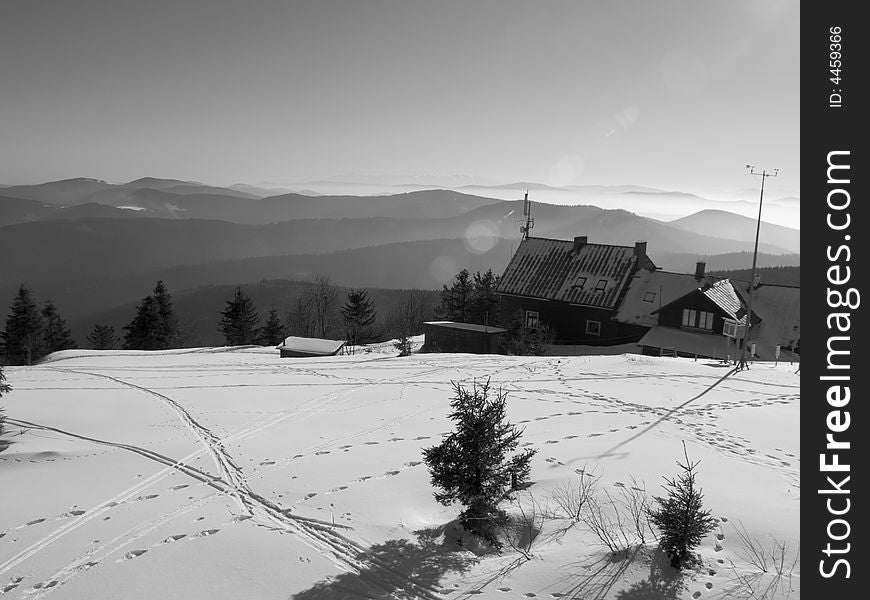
(233, 473)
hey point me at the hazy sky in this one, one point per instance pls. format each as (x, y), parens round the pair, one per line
(671, 94)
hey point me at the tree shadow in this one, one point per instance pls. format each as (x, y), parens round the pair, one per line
(397, 569)
(664, 582)
(602, 574)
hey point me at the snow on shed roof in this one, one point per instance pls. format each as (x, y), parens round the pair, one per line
(466, 326)
(688, 342)
(312, 345)
(552, 269)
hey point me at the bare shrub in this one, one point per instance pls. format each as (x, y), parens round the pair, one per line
(772, 567)
(637, 503)
(570, 498)
(522, 529)
(607, 521)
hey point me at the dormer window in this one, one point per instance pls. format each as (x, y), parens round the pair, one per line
(581, 281)
(649, 296)
(602, 283)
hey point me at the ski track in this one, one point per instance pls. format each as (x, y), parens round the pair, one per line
(344, 552)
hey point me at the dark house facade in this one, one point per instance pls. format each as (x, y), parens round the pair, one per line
(448, 336)
(573, 287)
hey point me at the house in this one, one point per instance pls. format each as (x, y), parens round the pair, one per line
(448, 336)
(699, 315)
(299, 347)
(573, 287)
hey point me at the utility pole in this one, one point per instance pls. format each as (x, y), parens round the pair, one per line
(764, 174)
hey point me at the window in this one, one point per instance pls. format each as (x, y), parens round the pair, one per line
(729, 329)
(649, 296)
(593, 327)
(602, 283)
(689, 317)
(705, 320)
(581, 281)
(531, 319)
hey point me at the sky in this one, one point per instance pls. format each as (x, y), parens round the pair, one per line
(678, 95)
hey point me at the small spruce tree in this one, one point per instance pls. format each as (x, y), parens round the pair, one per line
(102, 337)
(272, 332)
(167, 324)
(474, 465)
(680, 516)
(456, 300)
(239, 320)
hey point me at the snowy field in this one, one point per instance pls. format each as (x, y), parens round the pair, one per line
(215, 473)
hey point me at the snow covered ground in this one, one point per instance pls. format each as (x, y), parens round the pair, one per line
(215, 473)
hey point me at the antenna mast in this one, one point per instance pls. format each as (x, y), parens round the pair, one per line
(764, 175)
(527, 213)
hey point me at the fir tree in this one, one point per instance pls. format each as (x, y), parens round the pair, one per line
(167, 324)
(359, 317)
(272, 333)
(22, 338)
(56, 335)
(102, 337)
(680, 515)
(155, 326)
(456, 300)
(239, 320)
(474, 464)
(142, 331)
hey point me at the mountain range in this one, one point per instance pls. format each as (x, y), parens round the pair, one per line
(70, 238)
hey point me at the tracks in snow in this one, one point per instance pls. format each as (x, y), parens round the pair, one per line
(344, 552)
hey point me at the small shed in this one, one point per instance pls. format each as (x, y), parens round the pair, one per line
(300, 347)
(449, 336)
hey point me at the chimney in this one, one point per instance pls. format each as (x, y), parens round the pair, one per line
(640, 249)
(579, 242)
(699, 270)
(756, 281)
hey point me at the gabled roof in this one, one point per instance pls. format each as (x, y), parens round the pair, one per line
(553, 270)
(779, 310)
(311, 345)
(722, 294)
(652, 290)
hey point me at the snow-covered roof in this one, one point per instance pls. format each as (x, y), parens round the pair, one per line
(687, 342)
(311, 345)
(467, 326)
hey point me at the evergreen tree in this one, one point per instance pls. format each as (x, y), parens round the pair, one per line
(484, 302)
(474, 465)
(167, 325)
(22, 338)
(142, 331)
(239, 320)
(680, 515)
(272, 333)
(456, 299)
(56, 335)
(155, 326)
(102, 337)
(359, 317)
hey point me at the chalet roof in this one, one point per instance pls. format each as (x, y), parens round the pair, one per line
(466, 326)
(688, 342)
(649, 291)
(311, 345)
(723, 295)
(596, 275)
